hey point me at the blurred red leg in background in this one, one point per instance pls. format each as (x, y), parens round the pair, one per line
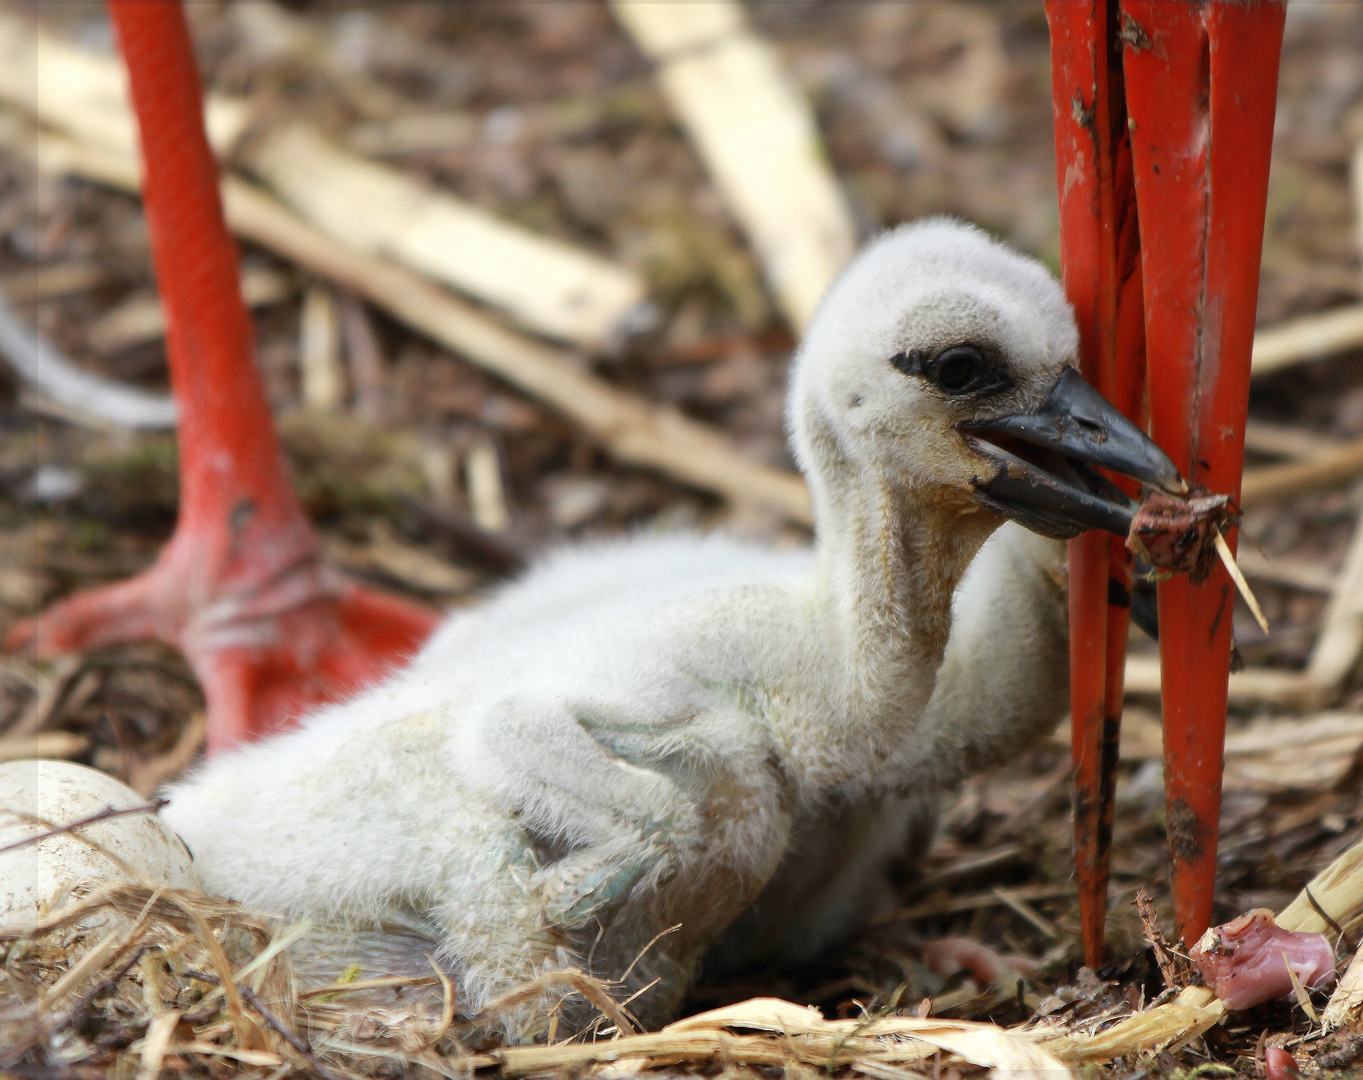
(241, 588)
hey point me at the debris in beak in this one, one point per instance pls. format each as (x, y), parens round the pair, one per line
(1250, 960)
(1175, 534)
(1185, 535)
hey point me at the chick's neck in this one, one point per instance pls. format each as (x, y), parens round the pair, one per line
(890, 555)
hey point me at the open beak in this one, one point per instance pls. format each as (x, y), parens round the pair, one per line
(1047, 478)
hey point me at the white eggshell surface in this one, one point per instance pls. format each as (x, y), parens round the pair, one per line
(132, 847)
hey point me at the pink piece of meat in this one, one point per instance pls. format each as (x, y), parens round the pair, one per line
(1245, 961)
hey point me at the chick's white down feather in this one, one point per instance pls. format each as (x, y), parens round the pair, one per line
(691, 730)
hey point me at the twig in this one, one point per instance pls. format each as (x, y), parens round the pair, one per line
(1172, 968)
(1287, 441)
(319, 351)
(294, 1040)
(1347, 1053)
(1273, 482)
(46, 744)
(154, 1044)
(1340, 640)
(495, 551)
(144, 318)
(1307, 338)
(42, 709)
(365, 360)
(447, 1007)
(1228, 559)
(546, 285)
(104, 815)
(37, 361)
(1290, 689)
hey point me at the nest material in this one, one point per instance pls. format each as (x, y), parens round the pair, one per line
(200, 986)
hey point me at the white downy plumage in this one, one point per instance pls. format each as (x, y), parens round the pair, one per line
(692, 730)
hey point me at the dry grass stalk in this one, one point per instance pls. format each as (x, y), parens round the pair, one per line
(1165, 1027)
(1286, 440)
(546, 285)
(1337, 890)
(143, 318)
(85, 92)
(1228, 560)
(46, 744)
(1340, 641)
(1307, 338)
(1345, 1006)
(757, 135)
(1286, 689)
(1273, 482)
(319, 351)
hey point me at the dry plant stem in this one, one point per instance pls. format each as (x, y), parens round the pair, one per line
(1287, 689)
(290, 1037)
(154, 1044)
(757, 136)
(1174, 969)
(1284, 440)
(85, 92)
(549, 285)
(1270, 483)
(104, 815)
(41, 710)
(1346, 1003)
(1307, 338)
(46, 744)
(1338, 889)
(546, 285)
(1228, 559)
(1340, 641)
(144, 318)
(591, 989)
(367, 374)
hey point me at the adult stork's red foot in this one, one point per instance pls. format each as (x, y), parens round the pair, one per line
(241, 588)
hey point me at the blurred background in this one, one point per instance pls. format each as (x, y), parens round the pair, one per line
(431, 475)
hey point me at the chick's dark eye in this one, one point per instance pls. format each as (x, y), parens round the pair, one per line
(960, 369)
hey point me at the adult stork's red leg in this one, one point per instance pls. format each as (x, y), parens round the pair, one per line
(240, 588)
(1101, 273)
(1201, 87)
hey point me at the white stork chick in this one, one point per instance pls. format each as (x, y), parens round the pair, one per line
(661, 731)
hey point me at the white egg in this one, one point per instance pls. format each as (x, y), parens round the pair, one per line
(131, 847)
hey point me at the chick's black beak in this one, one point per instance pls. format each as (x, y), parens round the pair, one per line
(1046, 478)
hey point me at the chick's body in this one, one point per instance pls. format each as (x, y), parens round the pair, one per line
(681, 731)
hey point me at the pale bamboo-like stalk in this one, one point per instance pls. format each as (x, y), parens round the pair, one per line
(756, 133)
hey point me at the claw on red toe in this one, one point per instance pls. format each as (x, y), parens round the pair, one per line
(241, 589)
